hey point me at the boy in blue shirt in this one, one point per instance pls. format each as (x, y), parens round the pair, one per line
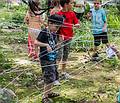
(47, 42)
(99, 26)
(99, 29)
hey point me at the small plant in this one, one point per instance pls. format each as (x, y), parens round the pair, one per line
(113, 62)
(5, 63)
(113, 18)
(2, 4)
(83, 38)
(27, 79)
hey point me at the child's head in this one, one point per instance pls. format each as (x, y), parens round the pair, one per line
(56, 2)
(53, 3)
(34, 5)
(67, 4)
(54, 22)
(63, 3)
(70, 5)
(97, 4)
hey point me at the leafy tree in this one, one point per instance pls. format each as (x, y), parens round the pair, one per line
(118, 4)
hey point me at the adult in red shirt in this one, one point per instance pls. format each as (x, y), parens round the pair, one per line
(66, 31)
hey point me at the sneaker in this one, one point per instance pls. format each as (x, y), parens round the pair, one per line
(46, 100)
(53, 95)
(96, 59)
(56, 83)
(95, 55)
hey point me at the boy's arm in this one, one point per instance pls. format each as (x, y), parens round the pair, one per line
(43, 22)
(60, 41)
(104, 27)
(59, 38)
(89, 15)
(41, 44)
(77, 25)
(105, 20)
(76, 21)
(26, 19)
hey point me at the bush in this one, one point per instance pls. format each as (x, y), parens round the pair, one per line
(5, 63)
(114, 21)
(2, 4)
(83, 37)
(16, 16)
(113, 18)
(19, 13)
(118, 5)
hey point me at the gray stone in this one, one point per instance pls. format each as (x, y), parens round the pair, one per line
(6, 95)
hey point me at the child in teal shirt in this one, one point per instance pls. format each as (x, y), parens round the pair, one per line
(99, 26)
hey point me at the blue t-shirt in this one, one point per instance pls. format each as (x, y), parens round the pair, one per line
(98, 20)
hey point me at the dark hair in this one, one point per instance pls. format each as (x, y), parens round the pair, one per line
(62, 2)
(33, 5)
(53, 3)
(56, 19)
(50, 4)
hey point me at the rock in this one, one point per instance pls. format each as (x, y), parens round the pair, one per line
(6, 95)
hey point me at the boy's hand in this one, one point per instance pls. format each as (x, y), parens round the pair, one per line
(77, 25)
(58, 45)
(103, 29)
(49, 49)
(89, 15)
(45, 24)
(26, 20)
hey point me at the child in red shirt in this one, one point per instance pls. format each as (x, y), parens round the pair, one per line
(66, 31)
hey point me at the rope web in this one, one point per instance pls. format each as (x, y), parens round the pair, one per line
(79, 69)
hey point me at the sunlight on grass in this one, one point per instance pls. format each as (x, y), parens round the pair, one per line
(70, 92)
(22, 61)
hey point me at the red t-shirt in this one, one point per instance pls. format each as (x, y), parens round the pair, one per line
(67, 29)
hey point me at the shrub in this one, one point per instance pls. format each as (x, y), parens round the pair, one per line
(83, 37)
(113, 18)
(5, 63)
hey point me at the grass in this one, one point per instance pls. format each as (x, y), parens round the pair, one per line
(90, 82)
(94, 83)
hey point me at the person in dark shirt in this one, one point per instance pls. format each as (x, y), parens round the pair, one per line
(47, 42)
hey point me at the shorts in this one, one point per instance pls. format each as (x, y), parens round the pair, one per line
(98, 38)
(49, 71)
(34, 32)
(64, 51)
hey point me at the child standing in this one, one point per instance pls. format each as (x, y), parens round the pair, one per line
(34, 23)
(99, 23)
(47, 42)
(66, 31)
